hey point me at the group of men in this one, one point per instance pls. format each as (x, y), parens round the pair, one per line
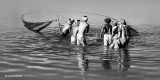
(115, 35)
(78, 32)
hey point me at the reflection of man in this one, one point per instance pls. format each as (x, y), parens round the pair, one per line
(123, 59)
(106, 58)
(106, 64)
(81, 59)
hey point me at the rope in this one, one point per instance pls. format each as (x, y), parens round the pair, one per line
(74, 12)
(58, 16)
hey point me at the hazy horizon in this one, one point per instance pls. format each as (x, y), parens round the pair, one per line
(134, 11)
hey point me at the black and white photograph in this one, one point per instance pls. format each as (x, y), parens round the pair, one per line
(79, 40)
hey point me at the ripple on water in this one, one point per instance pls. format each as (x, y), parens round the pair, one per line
(48, 56)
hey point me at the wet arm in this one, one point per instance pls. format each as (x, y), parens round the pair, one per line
(119, 32)
(70, 29)
(102, 32)
(87, 29)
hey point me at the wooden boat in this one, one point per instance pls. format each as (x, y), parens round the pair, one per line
(36, 26)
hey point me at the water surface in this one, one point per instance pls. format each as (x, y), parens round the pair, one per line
(50, 57)
(25, 55)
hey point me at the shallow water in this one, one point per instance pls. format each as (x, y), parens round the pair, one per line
(26, 55)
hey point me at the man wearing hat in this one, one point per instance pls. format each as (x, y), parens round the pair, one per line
(106, 32)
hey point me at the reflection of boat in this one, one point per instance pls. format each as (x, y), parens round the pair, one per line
(36, 26)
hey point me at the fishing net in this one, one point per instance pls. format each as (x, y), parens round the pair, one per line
(44, 19)
(38, 21)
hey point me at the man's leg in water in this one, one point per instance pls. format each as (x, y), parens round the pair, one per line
(109, 40)
(78, 39)
(106, 40)
(83, 41)
(112, 45)
(123, 42)
(73, 39)
(115, 44)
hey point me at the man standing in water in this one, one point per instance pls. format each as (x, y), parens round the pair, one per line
(75, 31)
(106, 32)
(123, 34)
(121, 38)
(83, 28)
(67, 28)
(115, 38)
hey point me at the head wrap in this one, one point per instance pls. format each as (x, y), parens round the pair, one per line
(72, 21)
(115, 23)
(107, 20)
(69, 20)
(122, 21)
(85, 18)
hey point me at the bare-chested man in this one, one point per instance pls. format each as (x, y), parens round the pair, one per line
(75, 31)
(115, 39)
(83, 28)
(67, 28)
(106, 32)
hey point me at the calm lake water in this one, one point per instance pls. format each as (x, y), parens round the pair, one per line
(25, 55)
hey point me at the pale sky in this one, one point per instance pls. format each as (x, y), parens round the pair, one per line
(134, 11)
